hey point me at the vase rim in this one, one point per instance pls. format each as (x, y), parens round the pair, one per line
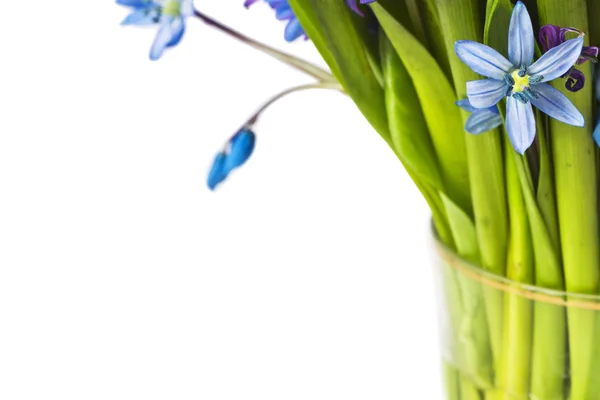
(529, 291)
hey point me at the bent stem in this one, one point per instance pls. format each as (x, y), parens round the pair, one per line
(322, 85)
(302, 65)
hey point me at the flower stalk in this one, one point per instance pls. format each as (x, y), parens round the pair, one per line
(486, 172)
(286, 58)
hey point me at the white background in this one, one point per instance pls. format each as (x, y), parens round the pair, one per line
(305, 276)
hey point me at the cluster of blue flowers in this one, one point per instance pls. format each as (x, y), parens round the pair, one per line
(518, 79)
(170, 15)
(521, 80)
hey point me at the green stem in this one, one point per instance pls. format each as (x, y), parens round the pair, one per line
(452, 382)
(468, 390)
(516, 361)
(546, 196)
(293, 61)
(548, 357)
(460, 20)
(549, 329)
(576, 187)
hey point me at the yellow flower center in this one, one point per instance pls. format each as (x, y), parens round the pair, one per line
(521, 82)
(171, 8)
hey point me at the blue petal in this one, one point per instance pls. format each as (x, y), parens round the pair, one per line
(177, 31)
(520, 124)
(293, 30)
(284, 13)
(241, 147)
(521, 43)
(597, 135)
(557, 61)
(163, 38)
(248, 3)
(555, 104)
(482, 121)
(483, 59)
(141, 17)
(486, 92)
(135, 3)
(217, 172)
(187, 8)
(466, 105)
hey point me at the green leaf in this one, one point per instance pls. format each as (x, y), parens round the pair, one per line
(497, 21)
(310, 24)
(342, 42)
(545, 190)
(417, 21)
(435, 34)
(437, 99)
(407, 124)
(463, 230)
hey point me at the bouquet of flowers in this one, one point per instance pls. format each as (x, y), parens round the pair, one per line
(491, 108)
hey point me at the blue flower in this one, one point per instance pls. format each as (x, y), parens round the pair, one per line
(284, 12)
(170, 15)
(237, 151)
(482, 119)
(520, 81)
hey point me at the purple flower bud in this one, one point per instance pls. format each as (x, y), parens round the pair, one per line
(353, 4)
(549, 36)
(589, 53)
(552, 36)
(575, 80)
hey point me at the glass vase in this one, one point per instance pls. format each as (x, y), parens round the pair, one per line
(504, 340)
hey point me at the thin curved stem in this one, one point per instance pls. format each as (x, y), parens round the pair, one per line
(322, 85)
(302, 65)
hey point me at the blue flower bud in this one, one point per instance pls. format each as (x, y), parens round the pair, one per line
(238, 150)
(241, 146)
(217, 172)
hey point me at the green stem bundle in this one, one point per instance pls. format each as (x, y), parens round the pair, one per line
(576, 180)
(530, 219)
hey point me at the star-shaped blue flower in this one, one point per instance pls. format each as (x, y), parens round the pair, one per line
(170, 15)
(482, 119)
(520, 81)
